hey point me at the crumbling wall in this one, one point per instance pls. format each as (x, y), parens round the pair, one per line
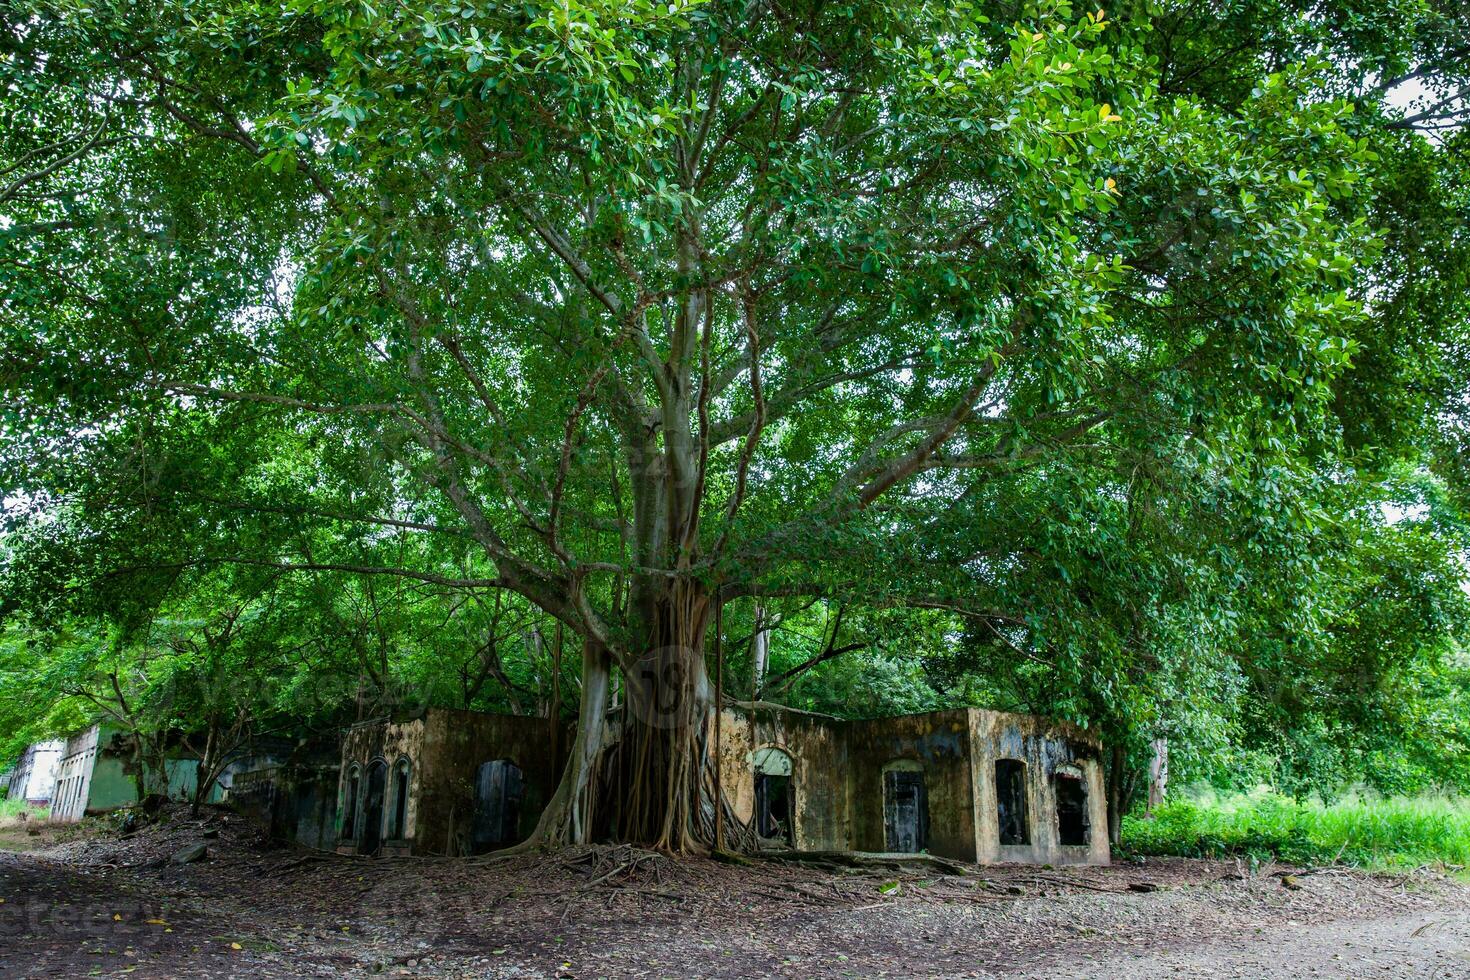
(34, 777)
(456, 744)
(74, 776)
(940, 743)
(818, 755)
(314, 805)
(388, 742)
(838, 778)
(96, 774)
(1045, 747)
(294, 802)
(445, 749)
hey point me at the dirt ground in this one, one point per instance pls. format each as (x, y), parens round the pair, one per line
(88, 902)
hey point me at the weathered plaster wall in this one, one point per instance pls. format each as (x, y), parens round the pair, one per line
(818, 753)
(838, 767)
(295, 802)
(34, 777)
(314, 799)
(96, 774)
(445, 749)
(456, 744)
(940, 742)
(388, 742)
(837, 777)
(1044, 746)
(74, 776)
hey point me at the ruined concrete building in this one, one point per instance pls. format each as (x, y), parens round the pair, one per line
(968, 784)
(97, 772)
(444, 782)
(34, 776)
(289, 786)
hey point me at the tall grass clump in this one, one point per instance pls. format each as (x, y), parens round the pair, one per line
(11, 809)
(1357, 830)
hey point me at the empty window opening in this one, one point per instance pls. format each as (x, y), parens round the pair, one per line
(1010, 801)
(372, 808)
(498, 790)
(775, 797)
(1072, 823)
(399, 827)
(905, 809)
(349, 806)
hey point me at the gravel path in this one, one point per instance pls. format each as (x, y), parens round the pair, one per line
(1422, 947)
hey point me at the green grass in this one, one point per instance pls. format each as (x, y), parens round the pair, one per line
(1376, 833)
(10, 809)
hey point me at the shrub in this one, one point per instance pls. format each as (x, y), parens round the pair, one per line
(1266, 826)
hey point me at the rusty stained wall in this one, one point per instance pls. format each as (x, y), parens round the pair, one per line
(388, 741)
(940, 742)
(837, 775)
(445, 749)
(1044, 746)
(818, 754)
(294, 802)
(456, 744)
(838, 766)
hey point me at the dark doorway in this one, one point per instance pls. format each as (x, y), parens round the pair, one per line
(349, 806)
(399, 827)
(372, 808)
(773, 807)
(905, 811)
(1010, 801)
(497, 805)
(1071, 809)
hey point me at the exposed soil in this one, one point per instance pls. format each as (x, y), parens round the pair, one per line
(87, 902)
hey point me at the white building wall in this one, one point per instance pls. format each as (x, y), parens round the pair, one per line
(34, 778)
(74, 776)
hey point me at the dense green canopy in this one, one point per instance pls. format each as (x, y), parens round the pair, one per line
(1111, 364)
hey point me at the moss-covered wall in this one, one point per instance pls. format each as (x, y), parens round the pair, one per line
(838, 776)
(96, 771)
(388, 742)
(445, 749)
(818, 754)
(294, 802)
(456, 744)
(940, 743)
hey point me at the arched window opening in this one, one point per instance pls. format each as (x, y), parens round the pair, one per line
(398, 827)
(905, 807)
(775, 798)
(1073, 828)
(1010, 801)
(350, 804)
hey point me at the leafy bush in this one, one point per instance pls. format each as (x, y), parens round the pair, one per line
(1266, 826)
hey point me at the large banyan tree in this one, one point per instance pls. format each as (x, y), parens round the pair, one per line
(645, 307)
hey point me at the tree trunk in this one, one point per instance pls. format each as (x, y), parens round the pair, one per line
(568, 816)
(140, 767)
(760, 650)
(1123, 783)
(204, 774)
(1117, 772)
(648, 777)
(1158, 774)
